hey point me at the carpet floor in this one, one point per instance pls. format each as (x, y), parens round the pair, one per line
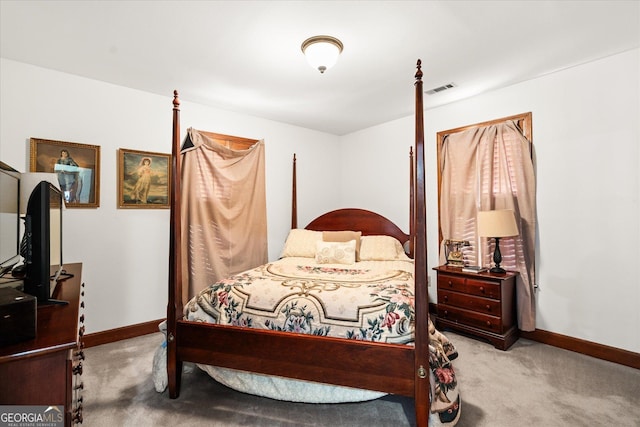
(531, 384)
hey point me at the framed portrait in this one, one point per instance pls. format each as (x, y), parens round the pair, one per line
(143, 179)
(77, 166)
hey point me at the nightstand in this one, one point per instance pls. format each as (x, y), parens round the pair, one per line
(480, 304)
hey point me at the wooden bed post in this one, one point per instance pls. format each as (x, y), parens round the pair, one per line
(294, 197)
(174, 308)
(412, 206)
(420, 259)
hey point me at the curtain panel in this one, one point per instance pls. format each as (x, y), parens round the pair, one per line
(488, 168)
(224, 215)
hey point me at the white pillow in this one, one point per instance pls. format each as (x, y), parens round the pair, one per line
(343, 236)
(336, 252)
(301, 243)
(380, 248)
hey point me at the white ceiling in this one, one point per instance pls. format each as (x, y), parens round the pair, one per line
(245, 55)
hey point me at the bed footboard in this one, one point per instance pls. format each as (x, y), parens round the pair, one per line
(352, 363)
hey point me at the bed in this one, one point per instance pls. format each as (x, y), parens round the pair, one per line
(386, 345)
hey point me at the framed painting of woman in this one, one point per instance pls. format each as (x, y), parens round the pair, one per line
(76, 165)
(143, 179)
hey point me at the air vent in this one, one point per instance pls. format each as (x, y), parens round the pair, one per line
(440, 89)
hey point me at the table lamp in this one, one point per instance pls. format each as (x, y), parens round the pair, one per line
(497, 224)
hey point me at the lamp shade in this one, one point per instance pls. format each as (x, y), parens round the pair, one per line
(322, 51)
(28, 182)
(498, 223)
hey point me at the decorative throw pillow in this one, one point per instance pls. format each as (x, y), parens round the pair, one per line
(343, 236)
(381, 248)
(336, 252)
(301, 243)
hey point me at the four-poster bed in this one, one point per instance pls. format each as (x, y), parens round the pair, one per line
(380, 366)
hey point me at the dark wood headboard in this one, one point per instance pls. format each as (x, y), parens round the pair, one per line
(369, 223)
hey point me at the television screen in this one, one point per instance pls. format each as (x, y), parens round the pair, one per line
(55, 230)
(9, 217)
(43, 229)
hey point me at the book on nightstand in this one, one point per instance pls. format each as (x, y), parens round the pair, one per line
(473, 269)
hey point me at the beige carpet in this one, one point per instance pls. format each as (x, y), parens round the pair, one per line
(531, 384)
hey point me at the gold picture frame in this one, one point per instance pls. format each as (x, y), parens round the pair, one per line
(77, 166)
(144, 179)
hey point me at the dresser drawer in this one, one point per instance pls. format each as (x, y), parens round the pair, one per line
(479, 320)
(470, 302)
(479, 287)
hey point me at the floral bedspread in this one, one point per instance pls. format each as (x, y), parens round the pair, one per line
(371, 301)
(444, 395)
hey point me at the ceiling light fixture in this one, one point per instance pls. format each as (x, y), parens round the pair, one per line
(322, 51)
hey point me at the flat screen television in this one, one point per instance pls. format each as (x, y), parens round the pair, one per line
(9, 217)
(43, 241)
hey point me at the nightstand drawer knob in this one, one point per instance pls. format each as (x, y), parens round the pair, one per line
(446, 298)
(450, 283)
(488, 307)
(488, 323)
(482, 289)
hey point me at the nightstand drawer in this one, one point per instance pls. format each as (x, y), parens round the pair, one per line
(469, 302)
(483, 288)
(471, 318)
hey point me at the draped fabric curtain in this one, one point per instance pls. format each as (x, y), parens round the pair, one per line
(489, 168)
(224, 216)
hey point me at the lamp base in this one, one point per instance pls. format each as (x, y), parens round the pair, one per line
(498, 270)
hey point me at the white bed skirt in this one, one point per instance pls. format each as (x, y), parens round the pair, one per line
(273, 387)
(287, 389)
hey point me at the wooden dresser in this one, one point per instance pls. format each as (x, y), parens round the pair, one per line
(481, 304)
(46, 371)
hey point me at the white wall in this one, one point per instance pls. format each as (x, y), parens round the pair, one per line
(585, 130)
(586, 138)
(125, 251)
